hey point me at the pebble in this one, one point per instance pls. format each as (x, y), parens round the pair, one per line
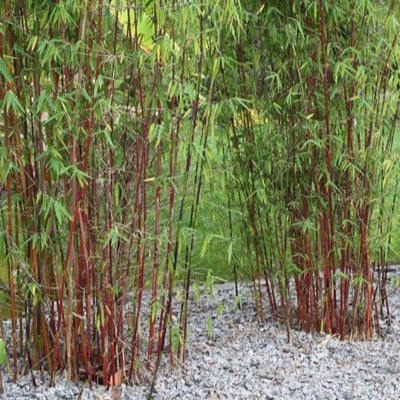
(246, 360)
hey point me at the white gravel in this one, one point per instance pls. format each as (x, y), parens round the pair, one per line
(246, 360)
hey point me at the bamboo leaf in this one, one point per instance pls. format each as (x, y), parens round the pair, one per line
(3, 353)
(4, 71)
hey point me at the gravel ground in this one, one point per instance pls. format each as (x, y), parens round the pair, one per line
(246, 360)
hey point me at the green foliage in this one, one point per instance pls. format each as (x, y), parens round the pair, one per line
(3, 353)
(310, 150)
(153, 145)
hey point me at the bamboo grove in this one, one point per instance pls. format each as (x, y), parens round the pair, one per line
(117, 114)
(311, 159)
